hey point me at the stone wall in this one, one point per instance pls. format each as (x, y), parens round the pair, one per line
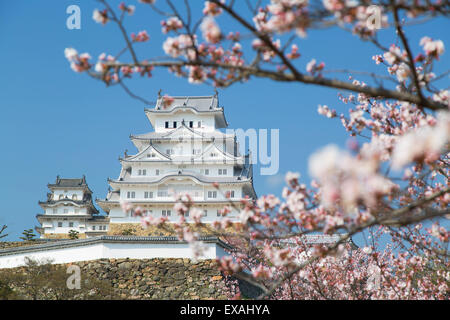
(167, 230)
(154, 278)
(160, 278)
(62, 236)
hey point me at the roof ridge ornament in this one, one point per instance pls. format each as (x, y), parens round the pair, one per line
(216, 96)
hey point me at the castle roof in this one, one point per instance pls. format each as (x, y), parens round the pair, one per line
(61, 244)
(68, 183)
(199, 104)
(127, 178)
(215, 135)
(65, 201)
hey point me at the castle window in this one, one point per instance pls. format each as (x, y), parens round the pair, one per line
(163, 192)
(206, 172)
(148, 194)
(199, 124)
(144, 172)
(93, 227)
(222, 172)
(191, 124)
(131, 194)
(70, 224)
(167, 125)
(212, 194)
(174, 124)
(205, 213)
(157, 172)
(59, 224)
(166, 213)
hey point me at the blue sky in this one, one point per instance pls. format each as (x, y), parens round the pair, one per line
(54, 121)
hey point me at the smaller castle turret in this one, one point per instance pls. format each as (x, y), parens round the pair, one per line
(69, 207)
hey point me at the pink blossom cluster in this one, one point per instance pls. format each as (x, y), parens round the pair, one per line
(283, 16)
(167, 101)
(127, 8)
(212, 9)
(78, 62)
(180, 45)
(425, 143)
(347, 182)
(100, 16)
(211, 31)
(267, 53)
(142, 36)
(171, 24)
(313, 68)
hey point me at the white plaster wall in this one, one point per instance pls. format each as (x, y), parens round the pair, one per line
(198, 192)
(82, 253)
(68, 192)
(116, 215)
(174, 167)
(110, 250)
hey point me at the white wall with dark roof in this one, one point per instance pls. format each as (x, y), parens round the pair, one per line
(85, 250)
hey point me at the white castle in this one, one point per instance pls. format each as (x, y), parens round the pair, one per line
(186, 154)
(69, 207)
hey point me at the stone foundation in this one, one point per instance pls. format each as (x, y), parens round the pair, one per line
(153, 278)
(168, 229)
(61, 236)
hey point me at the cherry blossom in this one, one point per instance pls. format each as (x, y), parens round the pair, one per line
(211, 31)
(100, 16)
(142, 36)
(391, 175)
(431, 47)
(171, 24)
(425, 143)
